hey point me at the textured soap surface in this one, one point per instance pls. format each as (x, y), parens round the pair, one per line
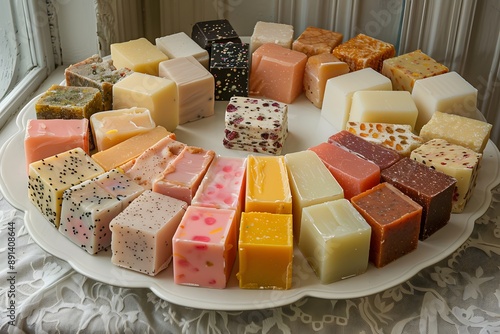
(180, 45)
(271, 32)
(206, 33)
(313, 41)
(139, 55)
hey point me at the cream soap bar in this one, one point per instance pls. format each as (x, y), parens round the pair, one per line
(180, 45)
(205, 247)
(314, 41)
(139, 55)
(159, 95)
(339, 91)
(271, 32)
(267, 185)
(335, 240)
(310, 182)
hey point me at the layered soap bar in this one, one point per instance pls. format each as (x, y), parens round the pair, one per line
(205, 247)
(394, 219)
(271, 32)
(142, 233)
(354, 174)
(454, 160)
(335, 240)
(432, 189)
(314, 41)
(265, 251)
(267, 185)
(180, 45)
(139, 55)
(206, 33)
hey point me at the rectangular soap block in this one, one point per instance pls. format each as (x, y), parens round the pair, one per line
(139, 55)
(206, 33)
(265, 262)
(119, 185)
(142, 233)
(180, 45)
(271, 32)
(205, 247)
(394, 219)
(335, 240)
(313, 41)
(267, 185)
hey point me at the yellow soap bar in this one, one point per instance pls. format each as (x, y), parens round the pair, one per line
(268, 188)
(265, 251)
(139, 55)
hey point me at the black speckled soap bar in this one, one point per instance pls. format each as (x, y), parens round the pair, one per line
(229, 64)
(206, 33)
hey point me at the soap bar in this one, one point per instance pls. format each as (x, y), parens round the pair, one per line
(195, 93)
(454, 160)
(267, 185)
(310, 182)
(271, 32)
(277, 73)
(112, 127)
(407, 68)
(265, 251)
(49, 178)
(432, 189)
(159, 95)
(142, 233)
(139, 55)
(182, 177)
(394, 107)
(457, 130)
(315, 41)
(205, 247)
(180, 45)
(394, 219)
(335, 240)
(206, 33)
(319, 68)
(364, 51)
(339, 91)
(447, 93)
(381, 156)
(119, 185)
(354, 174)
(98, 73)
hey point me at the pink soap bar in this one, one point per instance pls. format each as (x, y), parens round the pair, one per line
(47, 137)
(204, 247)
(277, 72)
(183, 176)
(354, 174)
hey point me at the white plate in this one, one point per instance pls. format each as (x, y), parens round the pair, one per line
(306, 128)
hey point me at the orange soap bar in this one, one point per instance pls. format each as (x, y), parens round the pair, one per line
(354, 174)
(315, 41)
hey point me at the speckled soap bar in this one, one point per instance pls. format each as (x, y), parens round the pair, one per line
(205, 33)
(229, 65)
(271, 32)
(315, 40)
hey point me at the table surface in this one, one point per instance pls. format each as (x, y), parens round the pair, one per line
(460, 294)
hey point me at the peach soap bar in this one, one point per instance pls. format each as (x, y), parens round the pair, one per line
(267, 185)
(265, 251)
(180, 45)
(205, 247)
(139, 55)
(335, 240)
(141, 238)
(314, 41)
(394, 219)
(271, 32)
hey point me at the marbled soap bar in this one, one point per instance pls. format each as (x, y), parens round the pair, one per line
(267, 185)
(271, 32)
(205, 247)
(457, 130)
(206, 33)
(142, 233)
(315, 41)
(430, 188)
(277, 72)
(394, 219)
(407, 68)
(319, 68)
(310, 182)
(265, 251)
(195, 93)
(364, 51)
(230, 67)
(454, 160)
(49, 178)
(354, 174)
(180, 45)
(335, 240)
(139, 55)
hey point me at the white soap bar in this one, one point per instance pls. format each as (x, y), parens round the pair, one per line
(271, 32)
(180, 45)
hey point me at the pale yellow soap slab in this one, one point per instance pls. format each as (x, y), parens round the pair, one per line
(139, 55)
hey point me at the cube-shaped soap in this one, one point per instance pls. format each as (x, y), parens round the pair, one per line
(454, 160)
(271, 32)
(335, 240)
(180, 45)
(364, 51)
(265, 251)
(159, 95)
(394, 219)
(139, 55)
(195, 93)
(230, 67)
(315, 41)
(206, 33)
(120, 186)
(407, 68)
(142, 233)
(277, 72)
(432, 189)
(205, 247)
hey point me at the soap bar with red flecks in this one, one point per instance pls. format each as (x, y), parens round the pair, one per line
(315, 41)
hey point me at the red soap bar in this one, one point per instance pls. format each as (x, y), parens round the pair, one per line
(353, 173)
(394, 219)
